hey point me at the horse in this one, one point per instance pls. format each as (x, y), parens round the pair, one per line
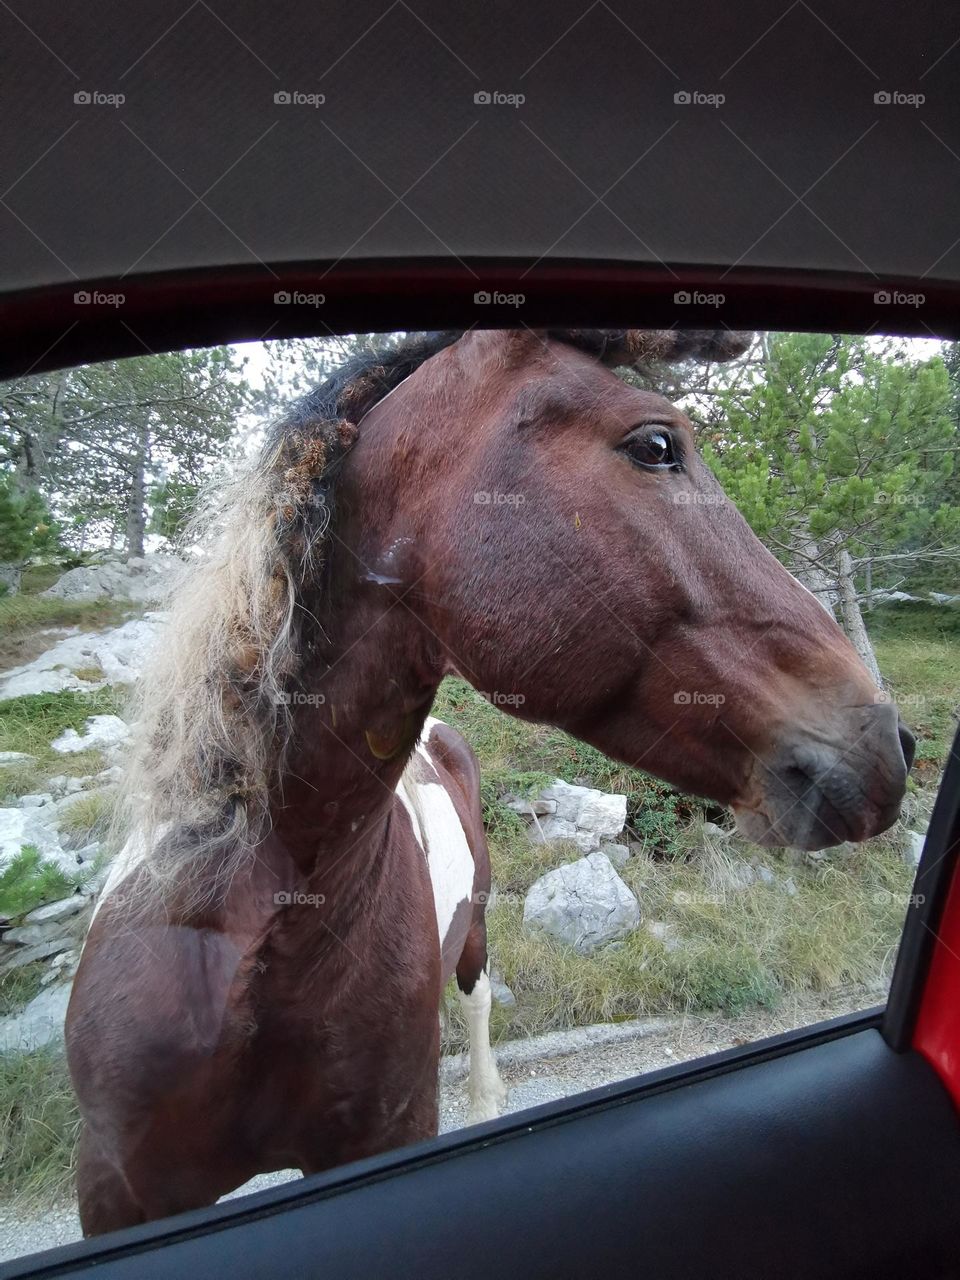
(261, 982)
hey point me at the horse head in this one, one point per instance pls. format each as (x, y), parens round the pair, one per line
(553, 536)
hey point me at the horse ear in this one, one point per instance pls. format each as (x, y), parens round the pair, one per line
(617, 348)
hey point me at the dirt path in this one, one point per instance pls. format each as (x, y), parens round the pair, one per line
(548, 1068)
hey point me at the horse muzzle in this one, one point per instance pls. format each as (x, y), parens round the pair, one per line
(817, 791)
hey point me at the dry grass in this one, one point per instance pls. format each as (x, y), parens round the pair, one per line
(39, 1127)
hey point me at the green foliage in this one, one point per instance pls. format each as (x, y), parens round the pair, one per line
(26, 528)
(841, 440)
(172, 502)
(28, 881)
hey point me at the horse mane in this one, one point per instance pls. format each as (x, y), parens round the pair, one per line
(211, 715)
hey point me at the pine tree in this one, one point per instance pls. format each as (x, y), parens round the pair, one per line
(837, 451)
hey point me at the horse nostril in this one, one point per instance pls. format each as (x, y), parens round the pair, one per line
(908, 743)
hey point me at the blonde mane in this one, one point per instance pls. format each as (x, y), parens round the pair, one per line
(211, 719)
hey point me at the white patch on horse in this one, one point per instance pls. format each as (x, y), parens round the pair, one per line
(487, 1091)
(133, 853)
(440, 834)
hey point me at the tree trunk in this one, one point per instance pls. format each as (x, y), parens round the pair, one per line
(10, 577)
(136, 506)
(853, 622)
(808, 569)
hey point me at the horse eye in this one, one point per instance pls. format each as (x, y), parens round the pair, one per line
(652, 448)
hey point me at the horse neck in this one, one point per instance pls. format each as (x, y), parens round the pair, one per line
(356, 716)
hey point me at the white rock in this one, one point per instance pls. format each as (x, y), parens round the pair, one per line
(584, 815)
(718, 833)
(120, 654)
(103, 732)
(19, 827)
(552, 828)
(501, 992)
(894, 597)
(735, 875)
(14, 757)
(35, 800)
(21, 956)
(56, 910)
(38, 1025)
(913, 848)
(584, 904)
(664, 933)
(31, 935)
(619, 854)
(146, 578)
(602, 812)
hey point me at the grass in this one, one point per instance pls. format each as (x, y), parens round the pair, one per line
(737, 949)
(38, 577)
(916, 647)
(88, 817)
(39, 1127)
(23, 612)
(24, 618)
(19, 986)
(31, 723)
(28, 881)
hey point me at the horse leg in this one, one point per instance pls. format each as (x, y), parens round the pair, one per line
(487, 1091)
